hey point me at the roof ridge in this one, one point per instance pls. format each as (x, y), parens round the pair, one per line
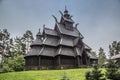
(48, 28)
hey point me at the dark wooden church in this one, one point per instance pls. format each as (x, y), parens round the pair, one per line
(59, 48)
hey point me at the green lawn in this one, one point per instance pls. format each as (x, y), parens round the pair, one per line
(73, 74)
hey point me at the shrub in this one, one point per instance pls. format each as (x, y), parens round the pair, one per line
(6, 68)
(16, 64)
(95, 74)
(19, 63)
(112, 70)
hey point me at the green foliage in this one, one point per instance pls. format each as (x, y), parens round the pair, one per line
(27, 39)
(114, 48)
(6, 68)
(101, 57)
(95, 74)
(88, 75)
(16, 64)
(112, 71)
(12, 50)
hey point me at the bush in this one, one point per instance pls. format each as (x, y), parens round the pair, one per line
(16, 64)
(19, 63)
(6, 68)
(95, 74)
(112, 71)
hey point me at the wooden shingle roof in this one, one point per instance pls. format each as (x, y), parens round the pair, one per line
(51, 41)
(34, 52)
(67, 51)
(50, 31)
(48, 51)
(62, 30)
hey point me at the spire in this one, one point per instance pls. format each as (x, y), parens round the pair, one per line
(39, 29)
(43, 26)
(66, 13)
(66, 19)
(38, 34)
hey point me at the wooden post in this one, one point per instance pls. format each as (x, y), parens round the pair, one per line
(39, 61)
(59, 62)
(78, 60)
(81, 61)
(89, 61)
(86, 60)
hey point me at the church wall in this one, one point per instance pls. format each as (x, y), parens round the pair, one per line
(84, 58)
(47, 62)
(67, 61)
(78, 62)
(31, 63)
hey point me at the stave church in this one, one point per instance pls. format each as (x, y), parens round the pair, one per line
(59, 48)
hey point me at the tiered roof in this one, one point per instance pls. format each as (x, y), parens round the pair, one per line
(62, 30)
(60, 40)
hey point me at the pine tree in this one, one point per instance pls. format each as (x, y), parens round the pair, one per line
(95, 74)
(101, 57)
(112, 72)
(114, 48)
(27, 39)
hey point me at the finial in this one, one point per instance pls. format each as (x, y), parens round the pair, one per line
(43, 26)
(65, 8)
(55, 19)
(61, 13)
(39, 29)
(76, 25)
(66, 11)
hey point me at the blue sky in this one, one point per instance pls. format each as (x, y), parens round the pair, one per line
(99, 20)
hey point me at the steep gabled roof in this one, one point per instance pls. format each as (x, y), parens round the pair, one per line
(66, 42)
(37, 42)
(67, 51)
(66, 16)
(69, 20)
(48, 51)
(34, 52)
(51, 41)
(62, 30)
(87, 47)
(50, 31)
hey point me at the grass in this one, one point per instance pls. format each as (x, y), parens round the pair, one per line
(72, 74)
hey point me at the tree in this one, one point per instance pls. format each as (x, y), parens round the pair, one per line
(13, 50)
(19, 46)
(5, 46)
(27, 39)
(95, 74)
(114, 48)
(101, 57)
(112, 71)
